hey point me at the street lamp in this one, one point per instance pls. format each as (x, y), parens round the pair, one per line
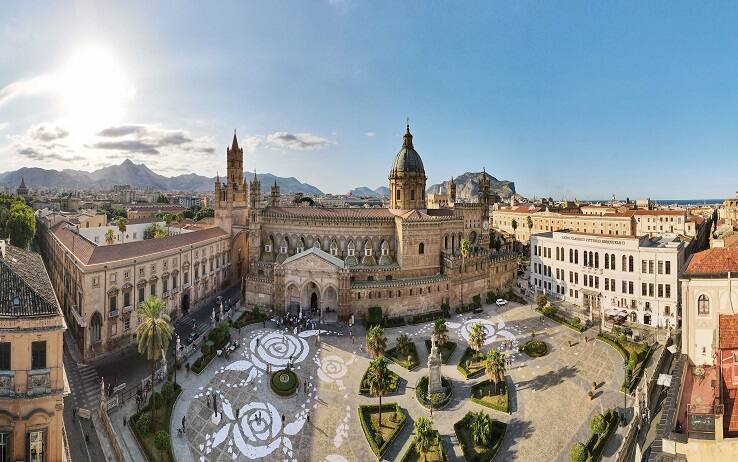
(623, 419)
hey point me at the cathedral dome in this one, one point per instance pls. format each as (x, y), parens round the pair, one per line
(407, 160)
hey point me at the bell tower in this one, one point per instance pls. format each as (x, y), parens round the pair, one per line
(235, 164)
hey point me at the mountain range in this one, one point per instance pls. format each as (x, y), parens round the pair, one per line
(364, 191)
(138, 176)
(467, 187)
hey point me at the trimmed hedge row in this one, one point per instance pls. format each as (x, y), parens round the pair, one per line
(421, 392)
(476, 388)
(164, 401)
(366, 425)
(201, 363)
(577, 326)
(412, 455)
(596, 443)
(641, 359)
(461, 367)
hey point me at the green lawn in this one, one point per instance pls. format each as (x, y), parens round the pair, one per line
(380, 437)
(472, 452)
(447, 349)
(468, 365)
(408, 360)
(484, 393)
(201, 363)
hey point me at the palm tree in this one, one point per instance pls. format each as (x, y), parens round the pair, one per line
(403, 344)
(159, 233)
(440, 331)
(378, 379)
(376, 342)
(477, 337)
(530, 222)
(168, 219)
(494, 367)
(109, 237)
(514, 225)
(465, 246)
(179, 218)
(153, 334)
(481, 428)
(424, 433)
(122, 227)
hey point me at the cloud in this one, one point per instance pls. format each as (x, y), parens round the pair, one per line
(150, 140)
(132, 146)
(296, 141)
(3, 125)
(123, 130)
(370, 134)
(46, 132)
(36, 154)
(25, 87)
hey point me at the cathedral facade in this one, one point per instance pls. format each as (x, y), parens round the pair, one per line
(406, 259)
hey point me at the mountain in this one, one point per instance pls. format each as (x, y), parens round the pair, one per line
(467, 187)
(364, 191)
(138, 176)
(382, 191)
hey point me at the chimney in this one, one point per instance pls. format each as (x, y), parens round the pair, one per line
(2, 248)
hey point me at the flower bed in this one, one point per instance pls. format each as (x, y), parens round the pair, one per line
(284, 382)
(435, 454)
(486, 394)
(394, 383)
(381, 437)
(535, 348)
(249, 317)
(144, 433)
(421, 392)
(472, 452)
(570, 323)
(473, 369)
(408, 361)
(447, 349)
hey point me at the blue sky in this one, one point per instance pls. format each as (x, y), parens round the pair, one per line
(583, 99)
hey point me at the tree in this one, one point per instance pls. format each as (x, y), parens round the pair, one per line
(21, 224)
(152, 231)
(440, 330)
(161, 441)
(542, 300)
(179, 218)
(598, 424)
(188, 214)
(424, 434)
(481, 428)
(153, 333)
(159, 233)
(465, 246)
(494, 367)
(109, 237)
(378, 379)
(578, 453)
(162, 199)
(168, 219)
(376, 342)
(204, 213)
(403, 344)
(122, 227)
(530, 222)
(514, 225)
(477, 337)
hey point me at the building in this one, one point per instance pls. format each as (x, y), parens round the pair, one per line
(189, 201)
(22, 190)
(661, 221)
(728, 211)
(606, 274)
(146, 211)
(340, 261)
(69, 203)
(100, 286)
(32, 377)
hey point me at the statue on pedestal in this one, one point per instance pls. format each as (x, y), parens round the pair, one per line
(434, 369)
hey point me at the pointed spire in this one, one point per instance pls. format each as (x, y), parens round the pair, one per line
(408, 137)
(234, 144)
(217, 177)
(23, 182)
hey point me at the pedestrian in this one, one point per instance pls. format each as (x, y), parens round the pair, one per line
(305, 387)
(283, 420)
(237, 412)
(308, 417)
(87, 438)
(124, 421)
(184, 421)
(74, 412)
(257, 342)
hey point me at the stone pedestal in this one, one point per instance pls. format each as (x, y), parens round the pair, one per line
(434, 369)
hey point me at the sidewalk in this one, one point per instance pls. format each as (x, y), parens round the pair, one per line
(123, 433)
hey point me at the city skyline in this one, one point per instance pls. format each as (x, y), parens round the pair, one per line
(535, 95)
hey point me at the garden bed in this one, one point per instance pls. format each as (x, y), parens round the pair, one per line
(201, 363)
(284, 382)
(484, 393)
(535, 348)
(435, 454)
(475, 453)
(425, 317)
(145, 436)
(394, 383)
(421, 392)
(570, 323)
(381, 437)
(447, 349)
(636, 355)
(408, 361)
(247, 318)
(474, 368)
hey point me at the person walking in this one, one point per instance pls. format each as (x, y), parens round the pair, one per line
(184, 418)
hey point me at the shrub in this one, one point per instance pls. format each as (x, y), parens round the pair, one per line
(477, 301)
(549, 311)
(541, 300)
(161, 441)
(220, 335)
(446, 309)
(144, 422)
(374, 315)
(576, 320)
(168, 392)
(598, 424)
(490, 297)
(207, 348)
(578, 453)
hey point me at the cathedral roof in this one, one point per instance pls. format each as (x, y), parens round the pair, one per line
(407, 160)
(328, 213)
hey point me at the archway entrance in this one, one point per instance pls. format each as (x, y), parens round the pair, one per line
(310, 300)
(329, 309)
(185, 303)
(647, 319)
(313, 302)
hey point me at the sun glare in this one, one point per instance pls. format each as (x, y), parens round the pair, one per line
(94, 91)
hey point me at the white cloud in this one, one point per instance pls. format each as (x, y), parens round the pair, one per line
(149, 140)
(25, 87)
(370, 134)
(46, 132)
(3, 125)
(296, 141)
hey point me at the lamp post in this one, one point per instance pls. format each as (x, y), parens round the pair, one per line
(623, 419)
(176, 357)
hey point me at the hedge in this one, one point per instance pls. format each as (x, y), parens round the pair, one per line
(411, 454)
(425, 317)
(249, 317)
(596, 443)
(421, 392)
(165, 408)
(201, 363)
(641, 359)
(498, 434)
(364, 410)
(394, 383)
(577, 326)
(373, 316)
(461, 367)
(284, 388)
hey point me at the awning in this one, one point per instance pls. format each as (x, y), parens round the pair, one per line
(612, 312)
(664, 379)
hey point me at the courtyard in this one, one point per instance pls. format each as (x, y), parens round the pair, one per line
(550, 407)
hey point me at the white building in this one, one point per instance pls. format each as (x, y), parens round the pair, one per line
(637, 275)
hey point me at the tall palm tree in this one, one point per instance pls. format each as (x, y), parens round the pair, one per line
(424, 434)
(440, 330)
(153, 334)
(514, 225)
(477, 337)
(159, 233)
(122, 227)
(168, 219)
(378, 379)
(179, 218)
(109, 237)
(465, 247)
(376, 342)
(403, 344)
(494, 367)
(481, 428)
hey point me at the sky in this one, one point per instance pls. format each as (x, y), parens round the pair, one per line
(576, 99)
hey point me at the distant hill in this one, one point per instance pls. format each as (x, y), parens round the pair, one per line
(467, 187)
(364, 191)
(139, 176)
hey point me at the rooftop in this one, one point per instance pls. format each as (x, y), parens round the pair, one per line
(25, 288)
(728, 331)
(718, 260)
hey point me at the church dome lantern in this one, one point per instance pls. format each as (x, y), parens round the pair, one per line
(407, 177)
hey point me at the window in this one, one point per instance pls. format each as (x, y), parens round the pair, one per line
(612, 261)
(630, 288)
(4, 447)
(126, 275)
(667, 288)
(668, 267)
(4, 358)
(661, 267)
(631, 264)
(650, 266)
(165, 284)
(174, 281)
(140, 272)
(36, 442)
(397, 194)
(660, 291)
(703, 305)
(141, 294)
(113, 304)
(607, 261)
(644, 267)
(412, 194)
(152, 290)
(187, 277)
(38, 355)
(421, 248)
(127, 324)
(597, 260)
(127, 298)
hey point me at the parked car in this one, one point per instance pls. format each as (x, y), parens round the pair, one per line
(501, 302)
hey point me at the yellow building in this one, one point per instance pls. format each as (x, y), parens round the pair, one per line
(32, 378)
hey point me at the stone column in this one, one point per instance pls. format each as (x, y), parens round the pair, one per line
(344, 295)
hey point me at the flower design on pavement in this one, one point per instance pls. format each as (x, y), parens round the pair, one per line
(277, 348)
(494, 330)
(332, 369)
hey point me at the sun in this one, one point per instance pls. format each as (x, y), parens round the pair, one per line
(94, 90)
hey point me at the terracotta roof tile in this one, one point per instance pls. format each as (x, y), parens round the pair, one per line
(660, 212)
(728, 331)
(320, 212)
(23, 278)
(158, 208)
(717, 260)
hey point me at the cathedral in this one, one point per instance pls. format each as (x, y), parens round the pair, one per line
(338, 262)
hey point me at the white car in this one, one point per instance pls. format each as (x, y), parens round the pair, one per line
(501, 302)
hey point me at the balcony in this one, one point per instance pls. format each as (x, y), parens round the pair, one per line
(7, 383)
(113, 313)
(39, 382)
(128, 308)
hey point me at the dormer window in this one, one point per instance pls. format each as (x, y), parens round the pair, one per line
(351, 249)
(16, 302)
(334, 248)
(267, 247)
(367, 250)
